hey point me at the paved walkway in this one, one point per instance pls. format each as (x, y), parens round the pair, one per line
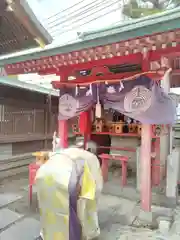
(118, 216)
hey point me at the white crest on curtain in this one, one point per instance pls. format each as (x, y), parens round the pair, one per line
(138, 100)
(68, 105)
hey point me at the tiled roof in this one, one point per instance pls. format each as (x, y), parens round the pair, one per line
(133, 25)
(19, 28)
(14, 82)
(164, 22)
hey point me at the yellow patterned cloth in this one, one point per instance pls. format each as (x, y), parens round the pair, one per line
(53, 181)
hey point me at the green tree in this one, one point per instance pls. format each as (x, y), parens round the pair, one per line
(142, 8)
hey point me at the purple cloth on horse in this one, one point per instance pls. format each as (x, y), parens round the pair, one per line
(74, 223)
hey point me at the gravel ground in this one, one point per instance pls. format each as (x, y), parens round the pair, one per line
(116, 214)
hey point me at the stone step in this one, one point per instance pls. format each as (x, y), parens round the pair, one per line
(5, 166)
(19, 164)
(15, 165)
(13, 172)
(8, 217)
(7, 198)
(26, 229)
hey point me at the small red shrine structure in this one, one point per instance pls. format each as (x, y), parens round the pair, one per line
(148, 46)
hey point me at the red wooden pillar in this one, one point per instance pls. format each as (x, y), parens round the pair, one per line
(85, 126)
(63, 133)
(63, 124)
(146, 167)
(145, 161)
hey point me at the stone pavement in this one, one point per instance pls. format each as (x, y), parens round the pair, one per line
(119, 218)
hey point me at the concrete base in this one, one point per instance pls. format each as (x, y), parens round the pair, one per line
(141, 218)
(146, 216)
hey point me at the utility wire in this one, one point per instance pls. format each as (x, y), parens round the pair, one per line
(64, 10)
(77, 26)
(77, 13)
(84, 14)
(82, 18)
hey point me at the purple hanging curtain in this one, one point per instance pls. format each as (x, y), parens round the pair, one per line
(73, 101)
(142, 99)
(161, 108)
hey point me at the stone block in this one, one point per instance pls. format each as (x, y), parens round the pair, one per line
(172, 173)
(164, 224)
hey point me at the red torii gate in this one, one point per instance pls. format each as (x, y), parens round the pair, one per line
(132, 45)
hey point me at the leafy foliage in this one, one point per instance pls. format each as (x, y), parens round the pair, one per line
(141, 8)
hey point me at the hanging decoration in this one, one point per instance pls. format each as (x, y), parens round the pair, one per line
(121, 87)
(98, 111)
(128, 120)
(89, 92)
(76, 91)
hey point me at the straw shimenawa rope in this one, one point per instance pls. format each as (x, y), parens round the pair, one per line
(102, 81)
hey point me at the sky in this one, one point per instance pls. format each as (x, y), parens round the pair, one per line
(67, 32)
(48, 12)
